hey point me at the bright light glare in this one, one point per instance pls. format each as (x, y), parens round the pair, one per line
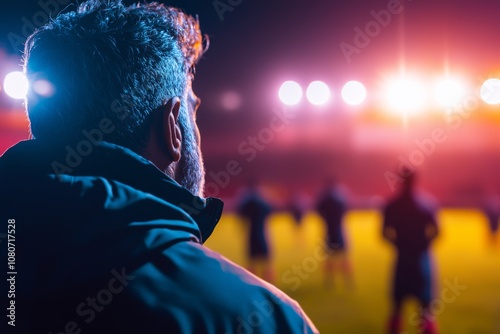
(406, 95)
(318, 93)
(449, 92)
(290, 93)
(490, 91)
(16, 85)
(354, 93)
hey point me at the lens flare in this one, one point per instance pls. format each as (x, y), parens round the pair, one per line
(406, 95)
(449, 92)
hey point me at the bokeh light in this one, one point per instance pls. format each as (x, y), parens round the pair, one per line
(16, 85)
(290, 93)
(231, 101)
(406, 95)
(354, 93)
(449, 92)
(490, 91)
(318, 93)
(43, 88)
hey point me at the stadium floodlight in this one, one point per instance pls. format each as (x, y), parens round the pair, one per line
(354, 93)
(290, 93)
(490, 91)
(318, 93)
(16, 85)
(449, 92)
(406, 95)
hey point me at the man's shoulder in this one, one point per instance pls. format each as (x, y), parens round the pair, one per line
(200, 270)
(218, 290)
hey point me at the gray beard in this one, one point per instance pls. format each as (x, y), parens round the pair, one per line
(190, 172)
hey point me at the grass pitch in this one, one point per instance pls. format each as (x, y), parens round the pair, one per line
(462, 255)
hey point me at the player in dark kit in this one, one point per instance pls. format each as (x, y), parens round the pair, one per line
(331, 206)
(255, 209)
(410, 225)
(491, 210)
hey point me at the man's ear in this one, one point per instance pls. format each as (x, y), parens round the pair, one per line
(172, 135)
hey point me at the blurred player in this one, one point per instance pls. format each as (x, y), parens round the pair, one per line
(492, 211)
(410, 225)
(255, 210)
(296, 207)
(331, 206)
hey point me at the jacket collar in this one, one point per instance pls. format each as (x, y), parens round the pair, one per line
(120, 164)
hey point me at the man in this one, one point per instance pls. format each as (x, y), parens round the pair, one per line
(106, 199)
(410, 225)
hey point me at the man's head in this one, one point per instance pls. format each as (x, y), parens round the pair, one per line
(129, 66)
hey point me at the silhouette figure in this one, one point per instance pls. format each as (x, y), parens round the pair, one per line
(297, 207)
(410, 225)
(255, 210)
(492, 211)
(331, 206)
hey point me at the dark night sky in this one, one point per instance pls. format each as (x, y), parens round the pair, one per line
(260, 43)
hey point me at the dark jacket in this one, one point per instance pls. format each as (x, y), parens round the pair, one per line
(107, 243)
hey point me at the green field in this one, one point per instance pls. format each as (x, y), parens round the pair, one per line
(462, 255)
